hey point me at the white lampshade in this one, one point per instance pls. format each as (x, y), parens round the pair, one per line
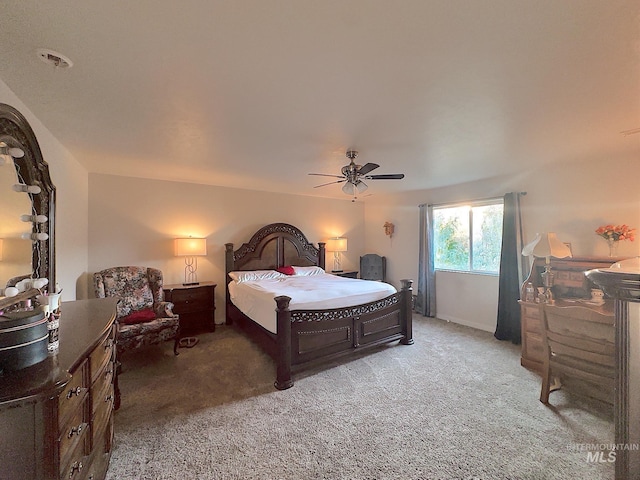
(191, 247)
(337, 244)
(546, 245)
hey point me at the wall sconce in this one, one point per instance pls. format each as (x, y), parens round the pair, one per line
(388, 229)
(336, 245)
(547, 245)
(190, 248)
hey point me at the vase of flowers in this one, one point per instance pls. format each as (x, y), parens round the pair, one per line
(614, 234)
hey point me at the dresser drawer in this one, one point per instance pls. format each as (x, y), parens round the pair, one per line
(533, 347)
(101, 388)
(101, 356)
(71, 398)
(103, 413)
(72, 438)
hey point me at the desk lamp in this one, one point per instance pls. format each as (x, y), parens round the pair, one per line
(547, 245)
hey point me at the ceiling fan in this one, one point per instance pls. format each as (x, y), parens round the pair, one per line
(352, 175)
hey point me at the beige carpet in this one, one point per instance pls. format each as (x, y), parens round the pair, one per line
(456, 405)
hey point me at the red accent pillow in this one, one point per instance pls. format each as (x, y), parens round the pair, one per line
(140, 316)
(288, 270)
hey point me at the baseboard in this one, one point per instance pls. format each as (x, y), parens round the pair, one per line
(467, 323)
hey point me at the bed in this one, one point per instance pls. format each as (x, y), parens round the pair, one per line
(307, 336)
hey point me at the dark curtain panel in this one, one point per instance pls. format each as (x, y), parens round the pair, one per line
(511, 268)
(426, 296)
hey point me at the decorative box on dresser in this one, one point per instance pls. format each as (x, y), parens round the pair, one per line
(570, 287)
(56, 417)
(195, 304)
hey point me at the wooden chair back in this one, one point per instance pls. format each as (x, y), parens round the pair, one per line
(579, 345)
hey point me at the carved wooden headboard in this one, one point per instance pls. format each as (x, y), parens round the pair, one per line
(274, 246)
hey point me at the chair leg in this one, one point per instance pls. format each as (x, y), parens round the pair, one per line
(176, 344)
(546, 384)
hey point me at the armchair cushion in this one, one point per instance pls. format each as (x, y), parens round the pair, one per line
(131, 284)
(140, 316)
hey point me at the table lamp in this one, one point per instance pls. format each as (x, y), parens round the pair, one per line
(547, 245)
(190, 248)
(336, 245)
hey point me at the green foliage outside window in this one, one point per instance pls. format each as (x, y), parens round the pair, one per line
(456, 248)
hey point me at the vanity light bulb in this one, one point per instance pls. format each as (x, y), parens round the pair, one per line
(15, 152)
(21, 187)
(40, 282)
(34, 218)
(11, 291)
(35, 236)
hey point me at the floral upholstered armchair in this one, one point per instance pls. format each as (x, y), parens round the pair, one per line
(143, 317)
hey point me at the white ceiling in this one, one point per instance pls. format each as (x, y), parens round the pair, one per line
(258, 93)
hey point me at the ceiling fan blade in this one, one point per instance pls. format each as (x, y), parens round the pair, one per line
(326, 175)
(366, 168)
(330, 183)
(389, 176)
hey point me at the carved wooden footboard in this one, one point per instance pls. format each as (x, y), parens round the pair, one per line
(308, 336)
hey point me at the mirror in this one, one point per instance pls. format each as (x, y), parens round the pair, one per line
(20, 256)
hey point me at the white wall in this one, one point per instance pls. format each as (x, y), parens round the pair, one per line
(571, 200)
(71, 181)
(134, 221)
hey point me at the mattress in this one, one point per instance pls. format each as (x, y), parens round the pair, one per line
(316, 292)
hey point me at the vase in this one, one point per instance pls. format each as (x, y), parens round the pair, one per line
(613, 247)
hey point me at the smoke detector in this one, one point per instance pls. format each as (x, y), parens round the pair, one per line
(54, 58)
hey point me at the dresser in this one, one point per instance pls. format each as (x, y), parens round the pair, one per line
(56, 417)
(195, 304)
(571, 287)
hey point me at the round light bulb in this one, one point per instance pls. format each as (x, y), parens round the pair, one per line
(11, 291)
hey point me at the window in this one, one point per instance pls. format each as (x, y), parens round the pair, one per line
(468, 237)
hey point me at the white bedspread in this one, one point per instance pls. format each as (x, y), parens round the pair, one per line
(256, 298)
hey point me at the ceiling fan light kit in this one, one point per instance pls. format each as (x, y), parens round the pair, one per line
(352, 176)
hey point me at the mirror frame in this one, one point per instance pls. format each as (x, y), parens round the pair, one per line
(31, 169)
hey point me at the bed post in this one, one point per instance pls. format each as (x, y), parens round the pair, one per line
(228, 267)
(283, 361)
(405, 311)
(322, 254)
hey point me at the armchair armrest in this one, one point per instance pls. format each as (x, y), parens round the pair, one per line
(164, 309)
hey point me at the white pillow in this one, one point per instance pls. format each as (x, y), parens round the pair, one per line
(306, 271)
(253, 275)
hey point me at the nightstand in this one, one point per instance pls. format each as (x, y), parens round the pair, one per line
(350, 274)
(195, 304)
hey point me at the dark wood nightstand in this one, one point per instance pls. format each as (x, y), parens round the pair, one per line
(195, 304)
(350, 274)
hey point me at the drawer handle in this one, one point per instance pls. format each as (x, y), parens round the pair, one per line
(77, 430)
(75, 467)
(109, 344)
(108, 398)
(74, 391)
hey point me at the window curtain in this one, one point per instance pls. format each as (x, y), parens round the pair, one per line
(511, 270)
(426, 296)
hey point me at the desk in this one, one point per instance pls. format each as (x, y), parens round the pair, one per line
(571, 288)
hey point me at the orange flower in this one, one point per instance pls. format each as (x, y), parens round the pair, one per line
(617, 232)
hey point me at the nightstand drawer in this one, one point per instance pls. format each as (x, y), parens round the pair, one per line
(192, 299)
